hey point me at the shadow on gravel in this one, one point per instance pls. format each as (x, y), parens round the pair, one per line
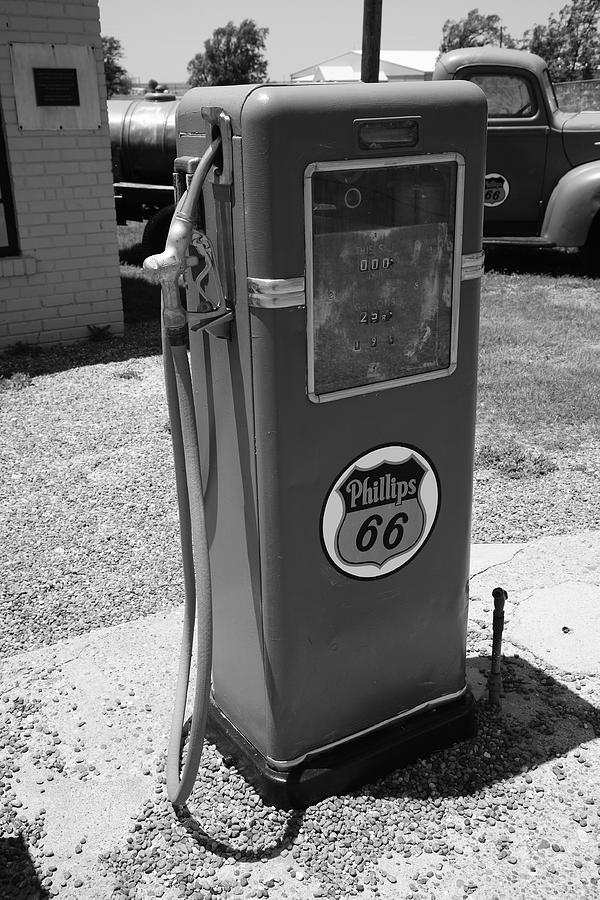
(18, 878)
(515, 260)
(539, 720)
(223, 849)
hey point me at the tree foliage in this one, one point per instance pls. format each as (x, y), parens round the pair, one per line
(234, 55)
(476, 30)
(117, 79)
(570, 42)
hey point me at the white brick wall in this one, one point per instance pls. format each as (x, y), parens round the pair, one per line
(66, 275)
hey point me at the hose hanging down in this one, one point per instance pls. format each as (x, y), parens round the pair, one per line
(167, 267)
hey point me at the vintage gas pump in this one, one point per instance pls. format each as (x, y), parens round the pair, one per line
(332, 267)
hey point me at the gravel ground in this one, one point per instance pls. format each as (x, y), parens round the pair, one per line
(563, 501)
(85, 501)
(87, 505)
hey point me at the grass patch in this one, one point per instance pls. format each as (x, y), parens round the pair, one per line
(129, 374)
(514, 461)
(130, 243)
(539, 371)
(141, 297)
(16, 382)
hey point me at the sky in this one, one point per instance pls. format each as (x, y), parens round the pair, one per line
(159, 39)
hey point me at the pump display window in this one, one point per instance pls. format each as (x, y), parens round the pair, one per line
(383, 247)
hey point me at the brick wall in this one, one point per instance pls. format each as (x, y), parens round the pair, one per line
(66, 275)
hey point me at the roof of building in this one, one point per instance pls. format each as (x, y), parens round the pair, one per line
(346, 66)
(423, 60)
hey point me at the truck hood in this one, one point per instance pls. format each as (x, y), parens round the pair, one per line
(581, 137)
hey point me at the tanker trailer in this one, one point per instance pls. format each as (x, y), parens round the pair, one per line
(142, 138)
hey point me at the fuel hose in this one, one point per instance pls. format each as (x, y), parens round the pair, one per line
(197, 614)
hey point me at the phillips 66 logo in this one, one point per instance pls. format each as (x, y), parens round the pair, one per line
(379, 512)
(496, 189)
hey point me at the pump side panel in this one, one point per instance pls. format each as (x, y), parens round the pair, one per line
(222, 374)
(344, 654)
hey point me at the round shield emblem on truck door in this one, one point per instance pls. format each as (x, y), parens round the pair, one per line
(380, 511)
(496, 189)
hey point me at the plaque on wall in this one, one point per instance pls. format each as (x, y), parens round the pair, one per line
(56, 87)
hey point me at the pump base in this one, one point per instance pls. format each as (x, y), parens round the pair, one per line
(346, 767)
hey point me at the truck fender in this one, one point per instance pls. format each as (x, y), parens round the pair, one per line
(573, 206)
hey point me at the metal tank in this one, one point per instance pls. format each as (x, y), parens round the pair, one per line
(142, 137)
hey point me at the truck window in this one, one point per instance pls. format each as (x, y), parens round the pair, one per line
(508, 96)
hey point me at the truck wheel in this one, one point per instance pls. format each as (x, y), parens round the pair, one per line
(156, 231)
(590, 252)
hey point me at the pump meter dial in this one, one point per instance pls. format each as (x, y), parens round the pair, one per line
(383, 246)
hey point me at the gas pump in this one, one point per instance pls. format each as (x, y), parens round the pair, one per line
(330, 240)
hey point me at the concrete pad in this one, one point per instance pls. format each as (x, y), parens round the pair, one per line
(84, 818)
(543, 563)
(106, 702)
(561, 625)
(486, 556)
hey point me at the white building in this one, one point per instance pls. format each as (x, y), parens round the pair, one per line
(59, 263)
(394, 65)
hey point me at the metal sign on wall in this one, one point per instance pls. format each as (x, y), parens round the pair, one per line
(56, 87)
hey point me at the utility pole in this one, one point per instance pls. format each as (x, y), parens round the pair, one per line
(371, 42)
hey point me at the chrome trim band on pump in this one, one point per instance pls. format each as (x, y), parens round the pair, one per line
(276, 293)
(287, 764)
(472, 266)
(280, 293)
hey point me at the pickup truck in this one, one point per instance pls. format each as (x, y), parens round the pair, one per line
(542, 183)
(543, 165)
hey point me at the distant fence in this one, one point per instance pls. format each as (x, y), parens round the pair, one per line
(575, 96)
(139, 88)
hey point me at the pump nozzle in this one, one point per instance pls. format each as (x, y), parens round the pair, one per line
(166, 267)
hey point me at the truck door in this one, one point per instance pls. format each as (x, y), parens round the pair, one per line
(516, 150)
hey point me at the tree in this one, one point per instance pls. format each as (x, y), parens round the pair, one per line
(570, 44)
(234, 55)
(117, 79)
(476, 30)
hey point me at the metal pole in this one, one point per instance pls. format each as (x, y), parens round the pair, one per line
(495, 677)
(371, 43)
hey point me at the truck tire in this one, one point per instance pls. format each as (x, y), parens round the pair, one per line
(155, 234)
(590, 252)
